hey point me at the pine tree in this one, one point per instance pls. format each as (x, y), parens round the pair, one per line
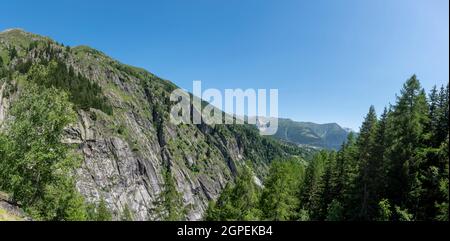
(384, 210)
(433, 126)
(310, 194)
(442, 201)
(409, 121)
(380, 164)
(346, 172)
(442, 110)
(328, 187)
(335, 211)
(366, 183)
(12, 53)
(237, 202)
(102, 212)
(169, 205)
(279, 200)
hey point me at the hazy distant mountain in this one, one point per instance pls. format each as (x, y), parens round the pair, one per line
(329, 136)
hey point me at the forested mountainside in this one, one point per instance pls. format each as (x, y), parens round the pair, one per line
(84, 137)
(396, 169)
(328, 136)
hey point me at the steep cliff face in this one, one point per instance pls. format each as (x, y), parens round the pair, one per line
(126, 152)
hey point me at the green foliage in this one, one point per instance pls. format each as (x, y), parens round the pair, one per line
(36, 167)
(23, 66)
(103, 213)
(280, 198)
(335, 211)
(12, 53)
(303, 215)
(396, 169)
(366, 186)
(83, 93)
(3, 68)
(442, 203)
(329, 136)
(403, 214)
(169, 205)
(384, 210)
(311, 189)
(99, 212)
(237, 202)
(126, 214)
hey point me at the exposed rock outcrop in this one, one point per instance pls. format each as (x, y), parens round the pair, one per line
(126, 153)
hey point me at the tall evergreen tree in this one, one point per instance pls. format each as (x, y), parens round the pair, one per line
(381, 162)
(237, 202)
(409, 119)
(280, 197)
(346, 172)
(328, 187)
(310, 195)
(366, 182)
(442, 128)
(169, 205)
(434, 116)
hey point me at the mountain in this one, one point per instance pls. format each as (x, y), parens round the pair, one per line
(122, 130)
(328, 136)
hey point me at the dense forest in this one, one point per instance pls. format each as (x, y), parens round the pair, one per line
(395, 169)
(52, 71)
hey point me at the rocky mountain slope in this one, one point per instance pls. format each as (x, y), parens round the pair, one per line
(123, 132)
(10, 211)
(328, 136)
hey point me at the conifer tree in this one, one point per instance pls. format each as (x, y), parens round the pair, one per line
(237, 202)
(102, 212)
(280, 197)
(366, 183)
(169, 205)
(409, 121)
(328, 187)
(311, 189)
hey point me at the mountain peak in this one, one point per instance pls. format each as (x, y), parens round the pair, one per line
(328, 136)
(12, 30)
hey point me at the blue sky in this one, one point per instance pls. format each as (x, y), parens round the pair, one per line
(330, 59)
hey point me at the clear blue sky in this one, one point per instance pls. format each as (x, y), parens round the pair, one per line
(330, 59)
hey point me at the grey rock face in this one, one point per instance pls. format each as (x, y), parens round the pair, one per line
(125, 154)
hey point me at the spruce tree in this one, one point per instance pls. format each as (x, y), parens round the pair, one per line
(169, 205)
(310, 195)
(328, 190)
(366, 182)
(280, 197)
(237, 202)
(409, 121)
(346, 172)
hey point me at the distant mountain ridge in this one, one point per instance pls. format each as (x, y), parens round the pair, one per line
(327, 136)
